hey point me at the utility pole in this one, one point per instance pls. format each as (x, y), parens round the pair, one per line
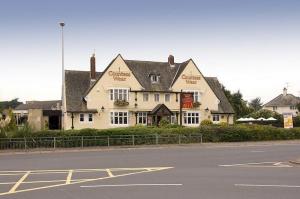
(62, 24)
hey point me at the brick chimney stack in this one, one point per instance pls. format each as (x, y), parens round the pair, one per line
(171, 60)
(284, 91)
(93, 67)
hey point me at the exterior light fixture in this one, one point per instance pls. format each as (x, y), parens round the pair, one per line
(207, 109)
(102, 108)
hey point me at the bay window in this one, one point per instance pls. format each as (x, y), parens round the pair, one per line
(119, 118)
(191, 117)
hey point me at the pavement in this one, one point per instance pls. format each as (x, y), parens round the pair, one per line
(232, 170)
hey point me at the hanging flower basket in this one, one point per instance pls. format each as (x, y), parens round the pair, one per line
(196, 104)
(121, 103)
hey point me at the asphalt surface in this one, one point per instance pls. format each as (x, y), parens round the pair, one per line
(176, 172)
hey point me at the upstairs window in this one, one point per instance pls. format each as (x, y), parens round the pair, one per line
(156, 97)
(196, 94)
(293, 107)
(145, 97)
(154, 78)
(90, 117)
(167, 97)
(274, 108)
(119, 94)
(81, 117)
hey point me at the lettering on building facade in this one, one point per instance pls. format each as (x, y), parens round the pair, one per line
(119, 75)
(191, 79)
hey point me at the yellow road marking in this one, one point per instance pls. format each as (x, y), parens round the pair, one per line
(13, 189)
(89, 180)
(109, 173)
(69, 177)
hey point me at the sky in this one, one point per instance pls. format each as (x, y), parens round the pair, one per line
(250, 45)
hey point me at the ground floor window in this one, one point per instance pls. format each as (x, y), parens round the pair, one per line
(173, 119)
(191, 117)
(142, 118)
(118, 118)
(86, 117)
(81, 117)
(216, 118)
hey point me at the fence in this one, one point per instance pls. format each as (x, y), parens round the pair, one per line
(97, 141)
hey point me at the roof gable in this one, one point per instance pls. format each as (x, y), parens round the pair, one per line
(281, 100)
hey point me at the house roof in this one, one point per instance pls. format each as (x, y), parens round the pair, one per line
(162, 108)
(224, 105)
(143, 69)
(44, 105)
(76, 85)
(284, 100)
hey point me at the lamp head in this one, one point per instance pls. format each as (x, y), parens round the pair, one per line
(62, 24)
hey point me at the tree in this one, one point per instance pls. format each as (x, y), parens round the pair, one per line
(238, 103)
(298, 107)
(9, 104)
(256, 104)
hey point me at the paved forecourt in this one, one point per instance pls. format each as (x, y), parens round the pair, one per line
(218, 171)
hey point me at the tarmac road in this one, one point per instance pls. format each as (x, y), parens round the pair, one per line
(217, 171)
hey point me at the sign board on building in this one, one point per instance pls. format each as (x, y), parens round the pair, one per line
(187, 100)
(288, 120)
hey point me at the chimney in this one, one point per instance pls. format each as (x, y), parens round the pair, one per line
(284, 91)
(171, 60)
(93, 68)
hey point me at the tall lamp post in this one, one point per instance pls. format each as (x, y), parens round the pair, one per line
(62, 24)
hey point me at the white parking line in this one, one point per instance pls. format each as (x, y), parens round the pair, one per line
(129, 185)
(268, 185)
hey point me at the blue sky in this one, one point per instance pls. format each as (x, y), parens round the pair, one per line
(250, 45)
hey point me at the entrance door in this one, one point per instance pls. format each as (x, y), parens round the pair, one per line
(53, 122)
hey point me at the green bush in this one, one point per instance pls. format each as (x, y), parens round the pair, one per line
(206, 122)
(164, 123)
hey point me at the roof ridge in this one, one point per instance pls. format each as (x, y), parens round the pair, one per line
(151, 61)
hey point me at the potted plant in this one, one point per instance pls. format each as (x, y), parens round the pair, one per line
(121, 103)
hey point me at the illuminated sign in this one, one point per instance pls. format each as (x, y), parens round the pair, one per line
(191, 79)
(119, 76)
(288, 120)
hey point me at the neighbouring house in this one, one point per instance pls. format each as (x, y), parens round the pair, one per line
(39, 114)
(131, 92)
(284, 103)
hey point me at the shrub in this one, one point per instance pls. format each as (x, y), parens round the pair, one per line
(206, 122)
(163, 123)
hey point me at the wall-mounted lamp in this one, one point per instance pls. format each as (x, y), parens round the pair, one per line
(102, 108)
(207, 109)
(135, 105)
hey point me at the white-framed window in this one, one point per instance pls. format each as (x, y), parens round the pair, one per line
(154, 78)
(173, 119)
(81, 117)
(274, 108)
(293, 107)
(142, 118)
(145, 97)
(167, 97)
(119, 118)
(191, 117)
(216, 118)
(196, 94)
(90, 117)
(156, 97)
(119, 94)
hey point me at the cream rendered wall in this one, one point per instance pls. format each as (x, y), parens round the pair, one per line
(282, 109)
(100, 95)
(208, 98)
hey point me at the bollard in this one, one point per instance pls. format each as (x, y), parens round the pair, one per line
(54, 142)
(132, 140)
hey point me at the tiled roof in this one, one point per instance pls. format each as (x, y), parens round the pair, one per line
(44, 105)
(76, 85)
(224, 105)
(143, 69)
(284, 100)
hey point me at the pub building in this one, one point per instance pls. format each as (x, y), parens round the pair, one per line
(131, 92)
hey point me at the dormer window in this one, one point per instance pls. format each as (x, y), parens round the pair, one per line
(154, 78)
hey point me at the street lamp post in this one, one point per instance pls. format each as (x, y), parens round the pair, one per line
(62, 24)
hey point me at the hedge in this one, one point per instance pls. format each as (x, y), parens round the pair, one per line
(211, 133)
